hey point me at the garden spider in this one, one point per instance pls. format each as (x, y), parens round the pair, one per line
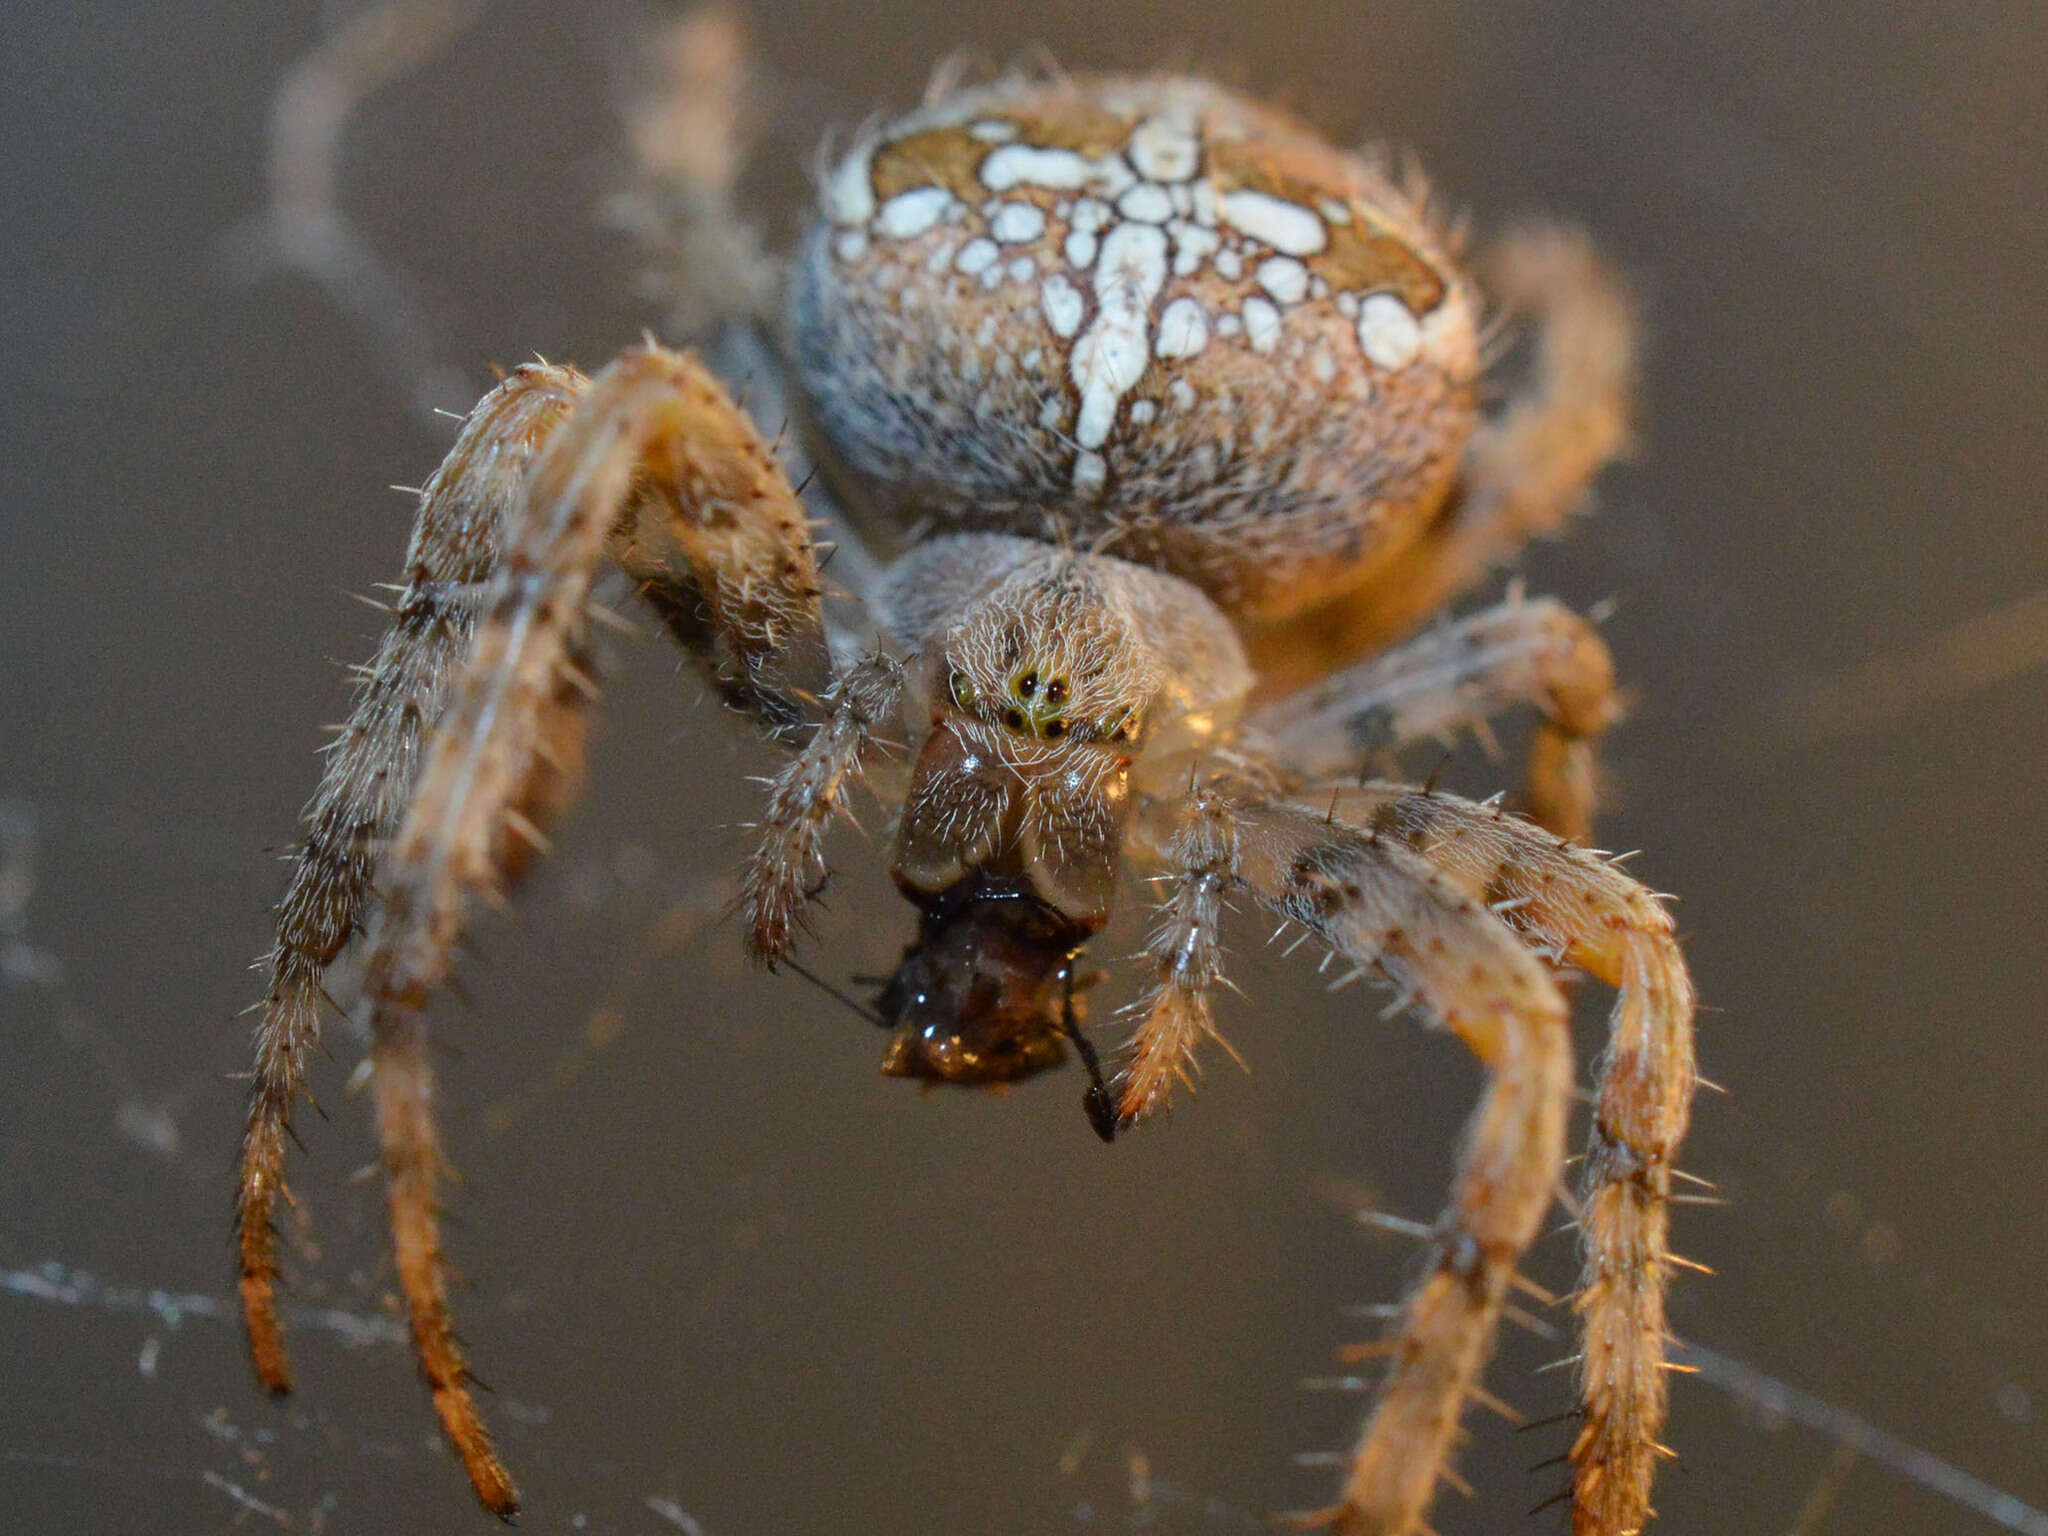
(1160, 419)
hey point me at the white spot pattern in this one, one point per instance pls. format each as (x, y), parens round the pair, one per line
(977, 256)
(1261, 325)
(1164, 150)
(1183, 329)
(1192, 245)
(1147, 202)
(1015, 223)
(1112, 355)
(1387, 332)
(1124, 251)
(1063, 305)
(909, 214)
(1287, 227)
(1060, 170)
(1284, 278)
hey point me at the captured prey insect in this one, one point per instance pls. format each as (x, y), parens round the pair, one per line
(1152, 425)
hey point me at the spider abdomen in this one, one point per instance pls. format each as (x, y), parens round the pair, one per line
(1139, 304)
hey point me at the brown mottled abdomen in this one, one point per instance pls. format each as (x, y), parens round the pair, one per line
(1140, 304)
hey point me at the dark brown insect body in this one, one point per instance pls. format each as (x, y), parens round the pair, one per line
(987, 994)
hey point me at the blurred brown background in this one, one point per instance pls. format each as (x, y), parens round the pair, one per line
(723, 1272)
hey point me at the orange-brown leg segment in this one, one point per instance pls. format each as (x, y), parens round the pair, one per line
(787, 867)
(1381, 906)
(364, 791)
(1175, 1015)
(1455, 677)
(1589, 914)
(506, 753)
(469, 724)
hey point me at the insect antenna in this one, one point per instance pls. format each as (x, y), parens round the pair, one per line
(826, 987)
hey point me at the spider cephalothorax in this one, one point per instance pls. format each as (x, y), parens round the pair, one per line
(1158, 415)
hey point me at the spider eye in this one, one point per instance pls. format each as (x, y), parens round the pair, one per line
(1027, 685)
(1126, 725)
(963, 690)
(1055, 729)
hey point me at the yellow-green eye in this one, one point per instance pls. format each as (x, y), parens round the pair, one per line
(1124, 726)
(963, 690)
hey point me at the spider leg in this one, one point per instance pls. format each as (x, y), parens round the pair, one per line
(1525, 470)
(692, 120)
(1579, 906)
(719, 547)
(1382, 906)
(788, 865)
(1455, 677)
(743, 593)
(1174, 1016)
(364, 791)
(469, 725)
(504, 756)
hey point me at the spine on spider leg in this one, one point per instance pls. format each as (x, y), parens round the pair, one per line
(1186, 951)
(364, 790)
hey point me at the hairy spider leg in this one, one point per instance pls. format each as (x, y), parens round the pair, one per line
(364, 790)
(1453, 678)
(1587, 913)
(654, 458)
(1382, 906)
(787, 867)
(1174, 1014)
